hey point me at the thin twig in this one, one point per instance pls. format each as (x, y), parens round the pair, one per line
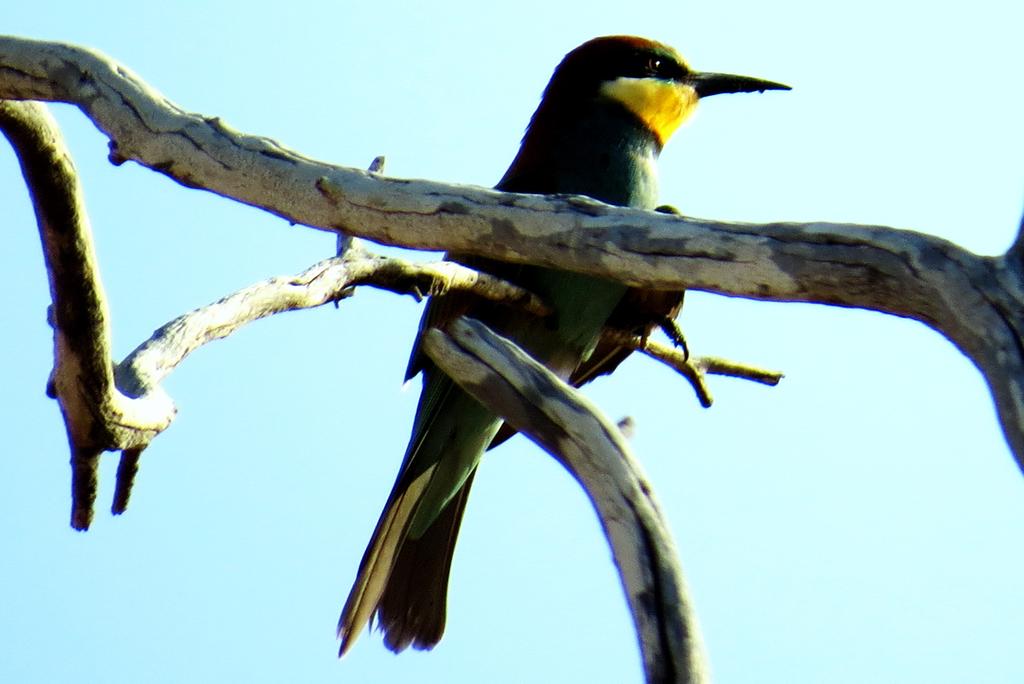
(345, 241)
(695, 368)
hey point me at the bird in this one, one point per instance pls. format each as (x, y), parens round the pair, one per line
(609, 108)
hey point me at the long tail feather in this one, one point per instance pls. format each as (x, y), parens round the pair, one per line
(413, 608)
(378, 560)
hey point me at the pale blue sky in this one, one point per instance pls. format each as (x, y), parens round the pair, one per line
(861, 522)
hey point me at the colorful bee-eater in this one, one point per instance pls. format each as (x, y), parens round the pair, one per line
(609, 109)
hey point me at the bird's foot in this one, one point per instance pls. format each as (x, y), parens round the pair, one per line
(675, 333)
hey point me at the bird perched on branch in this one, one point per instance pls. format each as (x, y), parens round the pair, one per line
(610, 107)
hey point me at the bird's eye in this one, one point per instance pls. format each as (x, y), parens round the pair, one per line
(653, 65)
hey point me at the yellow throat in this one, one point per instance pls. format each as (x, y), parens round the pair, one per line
(662, 105)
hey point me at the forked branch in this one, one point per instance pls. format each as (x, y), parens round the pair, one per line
(122, 407)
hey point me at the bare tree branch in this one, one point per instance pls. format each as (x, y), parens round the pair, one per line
(97, 415)
(558, 418)
(976, 302)
(328, 281)
(122, 407)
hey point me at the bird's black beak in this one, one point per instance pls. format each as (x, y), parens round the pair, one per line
(708, 84)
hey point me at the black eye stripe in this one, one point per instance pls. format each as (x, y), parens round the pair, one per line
(658, 66)
(582, 71)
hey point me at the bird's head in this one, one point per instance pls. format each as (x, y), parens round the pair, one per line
(649, 79)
